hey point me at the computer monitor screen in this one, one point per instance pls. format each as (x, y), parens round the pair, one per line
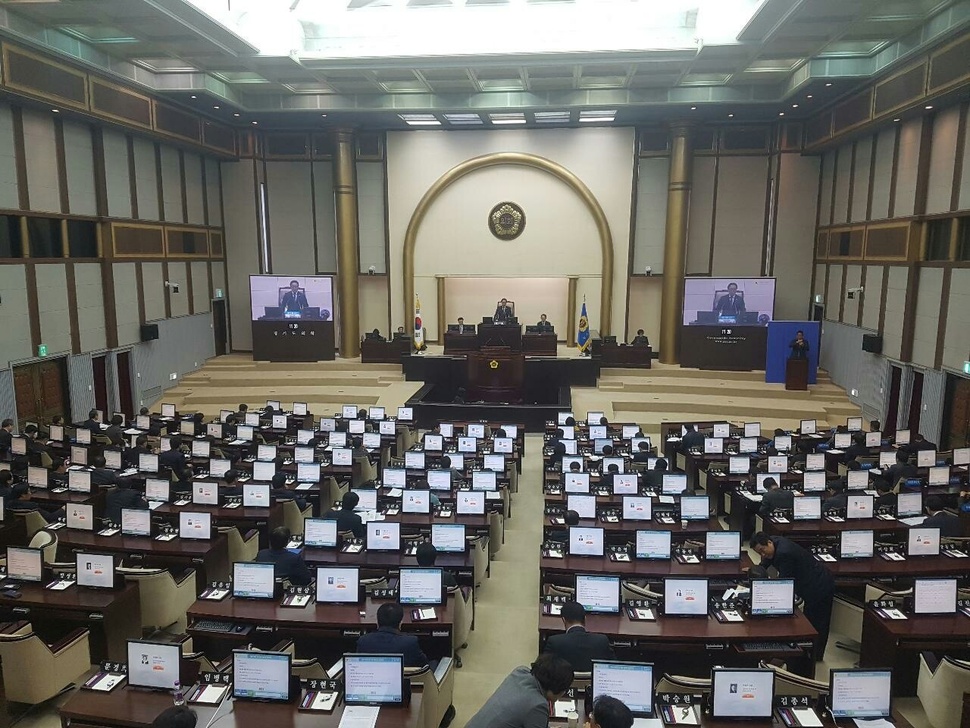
(24, 564)
(561, 417)
(153, 665)
(961, 455)
(856, 545)
(194, 525)
(902, 437)
(448, 537)
(303, 437)
(338, 584)
(218, 467)
(873, 439)
(626, 484)
(245, 432)
(853, 424)
(842, 440)
(495, 462)
(923, 541)
(887, 459)
(438, 479)
(598, 432)
(156, 489)
(419, 585)
(387, 427)
(858, 506)
(376, 413)
(256, 495)
(320, 532)
(344, 456)
(36, 477)
(857, 479)
(475, 429)
(383, 536)
(168, 410)
(447, 429)
(694, 508)
(861, 693)
(926, 458)
(739, 465)
(722, 545)
(279, 422)
(568, 432)
(599, 594)
(629, 682)
(266, 452)
(484, 480)
(300, 409)
(19, 445)
(721, 429)
(253, 580)
(373, 679)
(815, 461)
(261, 675)
(807, 427)
(761, 481)
(713, 445)
(136, 522)
(467, 444)
(935, 596)
(576, 482)
(752, 429)
(743, 693)
(95, 570)
(685, 597)
(637, 508)
(674, 483)
(147, 462)
(584, 505)
(263, 471)
(653, 544)
(405, 414)
(251, 420)
(201, 448)
(79, 481)
(79, 456)
(433, 442)
(281, 298)
(414, 460)
(909, 504)
(813, 481)
(328, 424)
(205, 494)
(502, 444)
(783, 443)
(734, 301)
(748, 444)
(777, 464)
(416, 501)
(57, 433)
(80, 516)
(772, 597)
(938, 476)
(628, 432)
(112, 459)
(187, 427)
(308, 472)
(337, 439)
(470, 502)
(585, 541)
(808, 508)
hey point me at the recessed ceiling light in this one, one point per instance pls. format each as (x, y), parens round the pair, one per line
(781, 113)
(809, 97)
(193, 96)
(828, 84)
(255, 123)
(464, 119)
(730, 116)
(597, 115)
(552, 117)
(794, 106)
(512, 117)
(236, 114)
(896, 119)
(928, 107)
(216, 107)
(55, 111)
(419, 119)
(323, 116)
(693, 108)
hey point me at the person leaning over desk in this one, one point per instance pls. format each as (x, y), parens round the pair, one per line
(523, 698)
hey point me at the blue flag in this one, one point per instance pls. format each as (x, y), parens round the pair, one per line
(582, 340)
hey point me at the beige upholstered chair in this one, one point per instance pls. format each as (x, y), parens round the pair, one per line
(581, 681)
(309, 669)
(164, 598)
(683, 684)
(479, 549)
(46, 541)
(629, 590)
(437, 690)
(52, 668)
(293, 517)
(464, 607)
(496, 533)
(33, 521)
(788, 683)
(241, 548)
(941, 690)
(366, 473)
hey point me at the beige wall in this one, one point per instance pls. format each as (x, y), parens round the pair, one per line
(645, 298)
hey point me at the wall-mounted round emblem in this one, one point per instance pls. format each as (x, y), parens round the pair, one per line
(506, 221)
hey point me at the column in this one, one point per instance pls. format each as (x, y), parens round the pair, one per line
(675, 244)
(345, 205)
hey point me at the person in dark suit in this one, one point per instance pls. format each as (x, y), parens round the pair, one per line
(858, 447)
(607, 712)
(427, 554)
(279, 492)
(122, 497)
(91, 423)
(287, 564)
(642, 454)
(654, 479)
(294, 299)
(35, 445)
(114, 431)
(902, 469)
(173, 459)
(374, 335)
(937, 517)
(102, 475)
(919, 443)
(693, 439)
(575, 645)
(544, 325)
(503, 312)
(730, 304)
(6, 436)
(388, 639)
(837, 498)
(640, 339)
(345, 517)
(776, 499)
(799, 346)
(885, 498)
(571, 518)
(524, 697)
(813, 582)
(462, 329)
(9, 490)
(182, 716)
(132, 454)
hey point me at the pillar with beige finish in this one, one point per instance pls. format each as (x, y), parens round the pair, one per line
(345, 206)
(675, 244)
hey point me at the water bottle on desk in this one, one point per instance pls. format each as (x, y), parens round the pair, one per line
(178, 698)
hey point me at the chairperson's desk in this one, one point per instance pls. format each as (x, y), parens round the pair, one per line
(323, 630)
(134, 708)
(209, 558)
(690, 645)
(112, 615)
(897, 643)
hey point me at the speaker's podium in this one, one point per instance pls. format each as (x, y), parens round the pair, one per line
(496, 374)
(796, 374)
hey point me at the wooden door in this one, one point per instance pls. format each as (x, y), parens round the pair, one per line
(916, 402)
(123, 362)
(219, 327)
(956, 418)
(99, 365)
(41, 390)
(892, 414)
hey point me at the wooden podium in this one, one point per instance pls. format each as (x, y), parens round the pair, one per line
(796, 374)
(495, 374)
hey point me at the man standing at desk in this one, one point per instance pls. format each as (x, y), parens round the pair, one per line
(503, 312)
(294, 300)
(730, 305)
(799, 346)
(813, 582)
(462, 329)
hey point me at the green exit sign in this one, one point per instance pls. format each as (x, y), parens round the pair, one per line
(42, 350)
(966, 367)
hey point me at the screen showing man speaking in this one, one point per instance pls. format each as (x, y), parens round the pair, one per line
(735, 301)
(279, 298)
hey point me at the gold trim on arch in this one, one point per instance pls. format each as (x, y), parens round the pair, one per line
(522, 160)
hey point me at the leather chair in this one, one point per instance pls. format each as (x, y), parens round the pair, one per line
(683, 684)
(629, 590)
(496, 533)
(437, 691)
(479, 548)
(464, 607)
(366, 473)
(46, 541)
(293, 517)
(164, 599)
(241, 548)
(309, 669)
(33, 521)
(788, 683)
(941, 688)
(52, 667)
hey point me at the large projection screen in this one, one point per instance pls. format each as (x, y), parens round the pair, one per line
(282, 298)
(735, 301)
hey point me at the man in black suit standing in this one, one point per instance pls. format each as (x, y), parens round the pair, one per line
(503, 312)
(731, 304)
(577, 646)
(294, 299)
(799, 345)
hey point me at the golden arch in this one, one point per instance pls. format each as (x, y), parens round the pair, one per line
(523, 160)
